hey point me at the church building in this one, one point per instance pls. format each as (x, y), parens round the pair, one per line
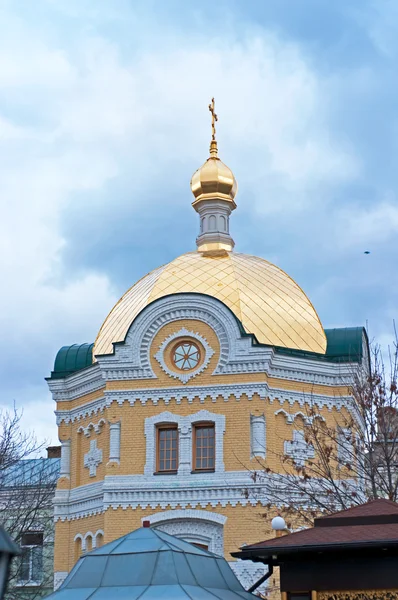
(196, 377)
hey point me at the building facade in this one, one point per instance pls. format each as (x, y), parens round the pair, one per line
(196, 377)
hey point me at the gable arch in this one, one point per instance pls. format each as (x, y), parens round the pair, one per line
(193, 526)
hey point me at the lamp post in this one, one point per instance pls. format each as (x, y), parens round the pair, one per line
(8, 549)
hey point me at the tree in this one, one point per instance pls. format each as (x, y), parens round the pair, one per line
(345, 460)
(27, 486)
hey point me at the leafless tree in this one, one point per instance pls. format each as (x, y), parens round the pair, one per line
(27, 485)
(347, 459)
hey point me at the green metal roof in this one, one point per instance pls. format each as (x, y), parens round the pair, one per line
(344, 344)
(73, 358)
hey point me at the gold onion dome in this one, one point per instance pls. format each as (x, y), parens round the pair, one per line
(214, 180)
(267, 302)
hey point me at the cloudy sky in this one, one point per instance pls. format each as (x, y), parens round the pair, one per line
(103, 120)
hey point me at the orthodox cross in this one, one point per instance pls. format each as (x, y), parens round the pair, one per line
(93, 458)
(214, 119)
(299, 450)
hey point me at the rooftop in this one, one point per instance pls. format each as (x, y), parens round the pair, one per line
(149, 564)
(371, 525)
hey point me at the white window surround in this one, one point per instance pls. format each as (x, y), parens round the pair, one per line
(184, 376)
(193, 526)
(184, 425)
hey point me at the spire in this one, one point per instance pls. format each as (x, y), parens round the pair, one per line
(214, 188)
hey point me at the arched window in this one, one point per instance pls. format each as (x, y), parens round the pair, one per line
(77, 548)
(99, 539)
(223, 223)
(89, 543)
(212, 223)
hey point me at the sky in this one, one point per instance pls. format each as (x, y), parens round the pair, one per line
(104, 119)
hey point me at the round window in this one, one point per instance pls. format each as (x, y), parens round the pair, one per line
(186, 356)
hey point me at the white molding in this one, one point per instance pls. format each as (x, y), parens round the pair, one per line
(78, 384)
(64, 470)
(164, 492)
(192, 530)
(214, 392)
(248, 572)
(114, 442)
(59, 578)
(184, 424)
(258, 436)
(290, 418)
(200, 515)
(95, 426)
(184, 376)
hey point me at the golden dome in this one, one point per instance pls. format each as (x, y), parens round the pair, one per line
(264, 298)
(214, 180)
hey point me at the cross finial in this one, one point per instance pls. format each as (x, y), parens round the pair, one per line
(214, 119)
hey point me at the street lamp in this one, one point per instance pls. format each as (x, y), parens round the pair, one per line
(8, 549)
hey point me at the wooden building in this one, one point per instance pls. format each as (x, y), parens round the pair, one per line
(350, 555)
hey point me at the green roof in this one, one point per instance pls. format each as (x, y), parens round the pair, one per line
(344, 344)
(73, 358)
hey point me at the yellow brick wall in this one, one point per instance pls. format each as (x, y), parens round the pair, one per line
(133, 442)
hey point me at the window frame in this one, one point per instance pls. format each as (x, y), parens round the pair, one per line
(162, 427)
(195, 427)
(30, 547)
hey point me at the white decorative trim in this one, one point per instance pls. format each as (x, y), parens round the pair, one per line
(185, 439)
(248, 572)
(164, 492)
(59, 578)
(299, 449)
(345, 446)
(214, 392)
(192, 531)
(93, 458)
(98, 533)
(78, 384)
(95, 426)
(290, 418)
(64, 470)
(199, 526)
(258, 439)
(114, 442)
(199, 515)
(80, 412)
(184, 376)
(89, 534)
